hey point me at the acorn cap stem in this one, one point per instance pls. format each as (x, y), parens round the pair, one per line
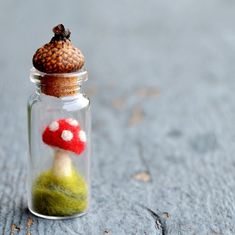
(60, 33)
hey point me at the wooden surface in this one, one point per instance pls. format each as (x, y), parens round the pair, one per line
(162, 89)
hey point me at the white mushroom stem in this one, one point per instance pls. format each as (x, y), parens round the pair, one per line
(62, 165)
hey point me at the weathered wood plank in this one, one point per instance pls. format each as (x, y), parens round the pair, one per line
(162, 89)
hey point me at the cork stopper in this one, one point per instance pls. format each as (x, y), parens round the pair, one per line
(58, 85)
(56, 58)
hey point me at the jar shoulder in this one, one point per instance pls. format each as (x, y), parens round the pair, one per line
(33, 99)
(72, 103)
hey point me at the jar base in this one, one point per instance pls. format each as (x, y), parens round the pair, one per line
(57, 217)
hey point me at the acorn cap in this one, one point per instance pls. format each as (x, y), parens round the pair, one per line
(59, 55)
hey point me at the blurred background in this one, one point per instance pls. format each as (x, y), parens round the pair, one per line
(129, 44)
(161, 79)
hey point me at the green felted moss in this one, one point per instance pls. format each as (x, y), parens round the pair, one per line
(63, 196)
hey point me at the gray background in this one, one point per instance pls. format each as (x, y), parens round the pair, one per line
(162, 89)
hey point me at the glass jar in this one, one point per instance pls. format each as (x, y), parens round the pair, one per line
(59, 146)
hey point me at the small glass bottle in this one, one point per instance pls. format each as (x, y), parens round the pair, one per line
(59, 145)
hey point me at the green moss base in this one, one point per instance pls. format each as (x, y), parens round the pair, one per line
(62, 196)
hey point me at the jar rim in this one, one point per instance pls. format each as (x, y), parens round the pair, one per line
(36, 75)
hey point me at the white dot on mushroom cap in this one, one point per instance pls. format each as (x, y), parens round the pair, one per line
(72, 122)
(82, 136)
(66, 135)
(54, 126)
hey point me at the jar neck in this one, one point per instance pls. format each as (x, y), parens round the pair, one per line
(58, 85)
(63, 92)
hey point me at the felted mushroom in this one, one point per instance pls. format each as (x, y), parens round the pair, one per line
(64, 136)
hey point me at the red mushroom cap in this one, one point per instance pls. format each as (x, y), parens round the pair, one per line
(65, 134)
